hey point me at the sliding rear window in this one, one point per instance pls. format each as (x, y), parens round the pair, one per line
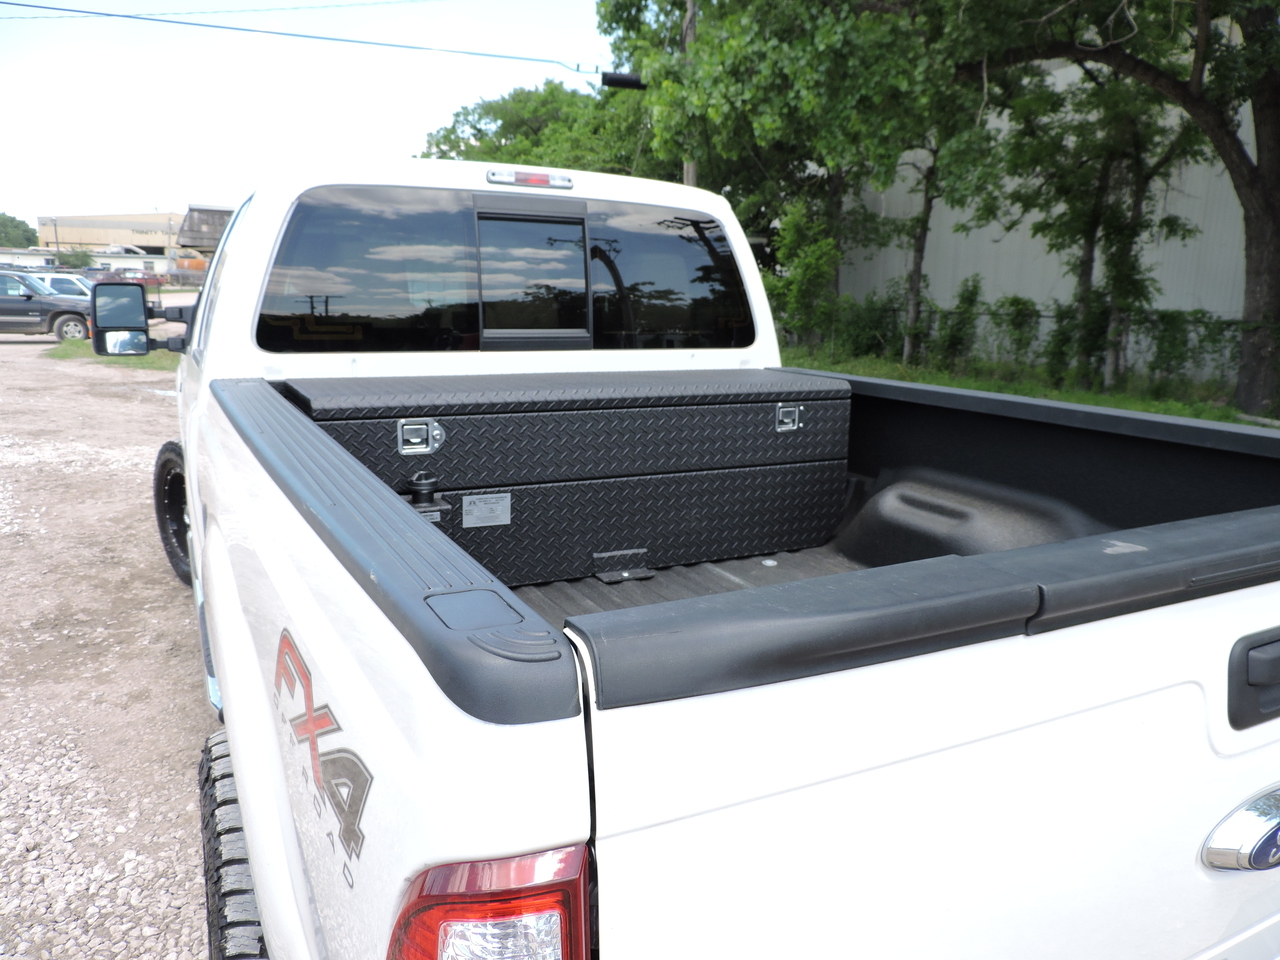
(380, 269)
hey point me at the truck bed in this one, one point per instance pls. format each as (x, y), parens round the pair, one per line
(562, 599)
(966, 517)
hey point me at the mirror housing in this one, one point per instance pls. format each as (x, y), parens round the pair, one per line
(121, 316)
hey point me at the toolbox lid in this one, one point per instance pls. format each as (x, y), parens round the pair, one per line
(365, 398)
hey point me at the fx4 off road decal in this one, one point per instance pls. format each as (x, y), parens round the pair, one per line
(340, 775)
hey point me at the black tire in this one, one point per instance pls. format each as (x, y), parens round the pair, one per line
(170, 493)
(235, 929)
(71, 326)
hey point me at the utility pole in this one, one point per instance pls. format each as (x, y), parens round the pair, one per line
(56, 245)
(687, 33)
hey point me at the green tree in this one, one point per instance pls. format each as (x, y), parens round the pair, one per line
(16, 233)
(76, 259)
(606, 131)
(813, 101)
(1084, 159)
(804, 292)
(958, 327)
(1210, 59)
(764, 165)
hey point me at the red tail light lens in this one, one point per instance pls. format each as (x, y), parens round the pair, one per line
(531, 178)
(522, 908)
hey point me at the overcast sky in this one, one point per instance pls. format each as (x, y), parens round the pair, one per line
(119, 116)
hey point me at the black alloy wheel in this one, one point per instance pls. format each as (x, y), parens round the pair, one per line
(170, 490)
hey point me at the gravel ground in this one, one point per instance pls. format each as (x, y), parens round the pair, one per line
(102, 710)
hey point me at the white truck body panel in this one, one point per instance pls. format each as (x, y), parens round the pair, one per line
(502, 789)
(976, 802)
(281, 883)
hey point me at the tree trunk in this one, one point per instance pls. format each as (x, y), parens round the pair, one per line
(915, 278)
(688, 33)
(837, 192)
(1256, 386)
(1084, 272)
(1084, 294)
(1124, 262)
(1115, 332)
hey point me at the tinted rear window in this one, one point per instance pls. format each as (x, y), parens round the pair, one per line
(664, 278)
(408, 268)
(374, 269)
(533, 274)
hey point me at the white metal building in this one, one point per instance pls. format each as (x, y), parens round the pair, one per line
(1207, 272)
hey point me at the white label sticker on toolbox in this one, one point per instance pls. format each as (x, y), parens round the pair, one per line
(488, 510)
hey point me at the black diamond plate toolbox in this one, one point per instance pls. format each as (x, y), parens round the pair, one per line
(562, 531)
(517, 448)
(558, 476)
(543, 429)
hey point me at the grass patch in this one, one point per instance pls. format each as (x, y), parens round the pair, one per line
(1024, 386)
(83, 350)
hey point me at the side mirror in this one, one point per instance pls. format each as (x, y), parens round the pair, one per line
(120, 317)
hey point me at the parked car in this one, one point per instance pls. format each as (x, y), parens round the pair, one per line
(29, 305)
(67, 284)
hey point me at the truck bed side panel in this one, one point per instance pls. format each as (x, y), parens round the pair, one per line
(343, 686)
(1039, 796)
(1125, 468)
(498, 659)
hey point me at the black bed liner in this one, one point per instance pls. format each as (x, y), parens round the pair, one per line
(1194, 507)
(709, 644)
(562, 599)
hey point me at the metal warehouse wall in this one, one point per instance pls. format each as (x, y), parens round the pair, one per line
(1206, 272)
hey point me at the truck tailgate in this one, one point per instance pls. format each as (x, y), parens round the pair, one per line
(1032, 796)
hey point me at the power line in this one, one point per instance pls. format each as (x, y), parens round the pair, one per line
(300, 36)
(166, 13)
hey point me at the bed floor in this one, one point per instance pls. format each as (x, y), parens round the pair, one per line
(567, 598)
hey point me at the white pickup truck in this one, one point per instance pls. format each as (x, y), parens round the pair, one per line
(550, 618)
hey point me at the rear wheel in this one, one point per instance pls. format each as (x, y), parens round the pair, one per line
(170, 491)
(71, 326)
(235, 929)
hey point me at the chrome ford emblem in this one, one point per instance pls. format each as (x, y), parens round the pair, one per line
(1249, 839)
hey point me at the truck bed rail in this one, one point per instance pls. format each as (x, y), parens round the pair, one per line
(491, 654)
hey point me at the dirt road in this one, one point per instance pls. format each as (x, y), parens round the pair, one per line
(102, 706)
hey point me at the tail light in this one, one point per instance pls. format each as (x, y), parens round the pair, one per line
(522, 908)
(531, 178)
